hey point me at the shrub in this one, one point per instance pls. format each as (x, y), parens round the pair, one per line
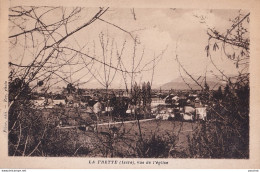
(155, 146)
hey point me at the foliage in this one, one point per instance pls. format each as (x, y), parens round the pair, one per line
(19, 90)
(226, 135)
(218, 94)
(70, 88)
(44, 49)
(141, 98)
(156, 146)
(120, 105)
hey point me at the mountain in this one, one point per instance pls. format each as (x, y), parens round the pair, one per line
(179, 84)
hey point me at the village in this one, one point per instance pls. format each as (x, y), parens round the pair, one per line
(115, 105)
(125, 82)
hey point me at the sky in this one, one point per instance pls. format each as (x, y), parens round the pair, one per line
(163, 33)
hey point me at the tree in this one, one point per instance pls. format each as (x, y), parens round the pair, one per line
(44, 40)
(144, 94)
(149, 93)
(70, 88)
(219, 93)
(44, 50)
(146, 98)
(235, 107)
(226, 90)
(226, 135)
(206, 86)
(136, 95)
(15, 86)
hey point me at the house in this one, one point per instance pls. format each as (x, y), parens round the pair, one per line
(187, 116)
(97, 108)
(85, 99)
(109, 109)
(188, 113)
(189, 109)
(39, 101)
(175, 98)
(165, 116)
(164, 112)
(201, 113)
(59, 102)
(130, 109)
(157, 101)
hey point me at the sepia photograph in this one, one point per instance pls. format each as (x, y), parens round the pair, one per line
(129, 85)
(128, 82)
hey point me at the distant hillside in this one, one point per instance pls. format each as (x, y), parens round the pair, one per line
(179, 84)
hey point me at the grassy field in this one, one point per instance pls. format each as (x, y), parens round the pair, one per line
(120, 140)
(123, 138)
(159, 128)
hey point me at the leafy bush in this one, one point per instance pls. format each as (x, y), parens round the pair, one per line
(155, 147)
(226, 135)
